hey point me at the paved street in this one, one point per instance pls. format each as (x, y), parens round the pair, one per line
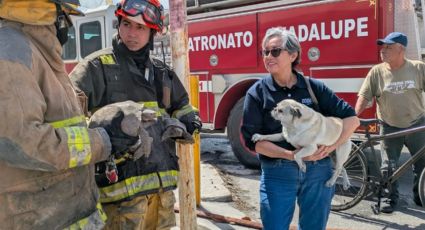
(243, 184)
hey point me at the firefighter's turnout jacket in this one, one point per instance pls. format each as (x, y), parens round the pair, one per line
(47, 154)
(111, 75)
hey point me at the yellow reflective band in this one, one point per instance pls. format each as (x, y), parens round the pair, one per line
(91, 222)
(125, 156)
(154, 106)
(107, 59)
(169, 178)
(69, 122)
(78, 146)
(102, 214)
(129, 187)
(137, 184)
(150, 104)
(184, 110)
(162, 111)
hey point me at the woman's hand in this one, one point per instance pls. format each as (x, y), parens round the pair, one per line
(322, 152)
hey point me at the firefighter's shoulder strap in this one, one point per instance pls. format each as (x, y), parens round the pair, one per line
(313, 97)
(165, 84)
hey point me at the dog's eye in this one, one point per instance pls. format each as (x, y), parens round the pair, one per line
(279, 110)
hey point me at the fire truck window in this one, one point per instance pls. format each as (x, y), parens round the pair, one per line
(69, 49)
(90, 38)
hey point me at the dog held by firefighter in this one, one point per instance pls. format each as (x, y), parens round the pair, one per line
(305, 129)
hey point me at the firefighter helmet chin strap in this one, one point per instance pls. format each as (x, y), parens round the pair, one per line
(151, 40)
(62, 25)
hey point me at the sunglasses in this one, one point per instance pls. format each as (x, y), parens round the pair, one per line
(151, 13)
(275, 52)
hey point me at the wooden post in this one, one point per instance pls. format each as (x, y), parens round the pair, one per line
(180, 58)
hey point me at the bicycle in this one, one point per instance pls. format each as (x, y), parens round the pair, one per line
(362, 182)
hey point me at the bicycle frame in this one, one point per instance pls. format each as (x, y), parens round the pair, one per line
(367, 180)
(405, 166)
(381, 182)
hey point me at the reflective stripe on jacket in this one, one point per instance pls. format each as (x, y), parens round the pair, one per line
(94, 221)
(78, 140)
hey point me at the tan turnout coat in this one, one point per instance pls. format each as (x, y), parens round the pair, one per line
(46, 151)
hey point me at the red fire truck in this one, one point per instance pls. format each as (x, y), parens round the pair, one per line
(338, 39)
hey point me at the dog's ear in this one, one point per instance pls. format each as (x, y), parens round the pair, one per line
(295, 112)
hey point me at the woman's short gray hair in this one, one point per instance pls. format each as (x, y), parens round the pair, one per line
(289, 41)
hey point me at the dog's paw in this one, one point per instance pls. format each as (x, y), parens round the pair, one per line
(346, 186)
(330, 183)
(257, 137)
(346, 183)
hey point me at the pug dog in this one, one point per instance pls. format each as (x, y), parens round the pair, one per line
(305, 129)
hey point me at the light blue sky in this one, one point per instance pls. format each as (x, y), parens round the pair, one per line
(164, 3)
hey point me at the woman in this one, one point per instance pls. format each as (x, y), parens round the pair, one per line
(282, 182)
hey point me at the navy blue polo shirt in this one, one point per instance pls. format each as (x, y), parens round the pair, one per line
(264, 95)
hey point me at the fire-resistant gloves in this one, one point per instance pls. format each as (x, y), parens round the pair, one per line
(123, 123)
(176, 130)
(192, 121)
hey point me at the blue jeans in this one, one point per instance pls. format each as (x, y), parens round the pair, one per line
(282, 183)
(391, 151)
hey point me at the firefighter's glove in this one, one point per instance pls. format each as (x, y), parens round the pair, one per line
(122, 122)
(120, 141)
(144, 145)
(192, 121)
(176, 130)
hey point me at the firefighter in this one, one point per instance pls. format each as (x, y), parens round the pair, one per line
(142, 198)
(47, 153)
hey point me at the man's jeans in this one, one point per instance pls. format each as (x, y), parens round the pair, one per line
(391, 151)
(282, 183)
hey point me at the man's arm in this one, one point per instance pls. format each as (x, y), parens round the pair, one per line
(28, 141)
(361, 105)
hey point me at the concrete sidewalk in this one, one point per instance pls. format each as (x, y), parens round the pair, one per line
(215, 199)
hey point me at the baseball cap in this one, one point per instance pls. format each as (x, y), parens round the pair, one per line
(392, 38)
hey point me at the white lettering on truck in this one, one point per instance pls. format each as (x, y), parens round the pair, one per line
(338, 29)
(343, 28)
(221, 41)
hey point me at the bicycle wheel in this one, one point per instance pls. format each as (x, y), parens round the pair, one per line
(356, 167)
(421, 188)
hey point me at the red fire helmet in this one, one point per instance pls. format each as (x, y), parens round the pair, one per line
(146, 12)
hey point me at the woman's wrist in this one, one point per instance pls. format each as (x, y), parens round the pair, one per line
(289, 155)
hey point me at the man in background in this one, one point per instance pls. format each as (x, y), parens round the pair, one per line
(397, 85)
